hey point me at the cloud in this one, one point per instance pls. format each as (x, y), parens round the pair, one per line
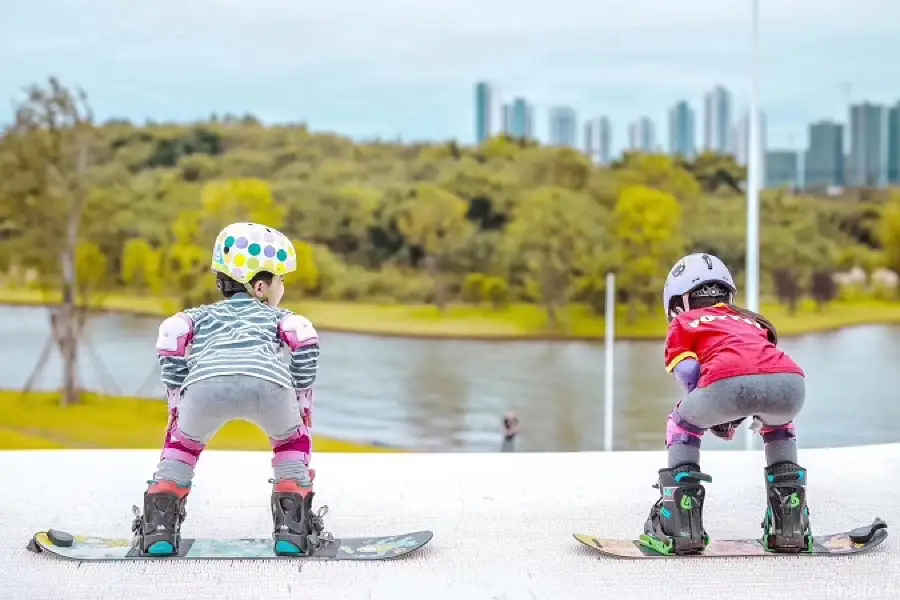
(358, 30)
(624, 59)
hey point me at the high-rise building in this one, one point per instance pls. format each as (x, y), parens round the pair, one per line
(563, 126)
(518, 119)
(782, 169)
(642, 136)
(824, 163)
(740, 138)
(484, 109)
(867, 163)
(681, 130)
(893, 175)
(598, 140)
(717, 120)
(740, 143)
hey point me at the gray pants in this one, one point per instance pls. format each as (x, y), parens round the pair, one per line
(209, 404)
(775, 400)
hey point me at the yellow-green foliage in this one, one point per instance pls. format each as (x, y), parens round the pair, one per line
(513, 321)
(386, 223)
(36, 420)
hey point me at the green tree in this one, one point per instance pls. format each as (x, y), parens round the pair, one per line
(889, 233)
(433, 222)
(792, 245)
(141, 266)
(47, 155)
(307, 275)
(390, 221)
(251, 200)
(660, 172)
(555, 232)
(473, 288)
(496, 291)
(648, 239)
(92, 269)
(716, 172)
(185, 266)
(341, 219)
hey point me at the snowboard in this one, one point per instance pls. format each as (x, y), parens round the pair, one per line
(93, 548)
(844, 543)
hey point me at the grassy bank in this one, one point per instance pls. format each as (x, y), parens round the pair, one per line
(521, 321)
(36, 421)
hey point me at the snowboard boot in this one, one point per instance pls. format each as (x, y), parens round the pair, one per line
(786, 523)
(159, 529)
(297, 528)
(675, 524)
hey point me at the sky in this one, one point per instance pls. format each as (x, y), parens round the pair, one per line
(407, 68)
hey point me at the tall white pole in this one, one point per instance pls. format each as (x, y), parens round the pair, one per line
(610, 364)
(753, 157)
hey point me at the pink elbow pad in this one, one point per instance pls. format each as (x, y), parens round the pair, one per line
(175, 335)
(297, 332)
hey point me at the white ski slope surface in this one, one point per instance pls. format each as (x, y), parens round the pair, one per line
(503, 526)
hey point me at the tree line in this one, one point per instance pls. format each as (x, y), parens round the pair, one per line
(103, 206)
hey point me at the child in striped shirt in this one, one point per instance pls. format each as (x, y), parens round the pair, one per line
(224, 362)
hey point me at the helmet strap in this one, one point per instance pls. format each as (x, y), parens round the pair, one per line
(228, 286)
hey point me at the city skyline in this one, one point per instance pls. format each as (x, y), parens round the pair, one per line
(867, 154)
(400, 75)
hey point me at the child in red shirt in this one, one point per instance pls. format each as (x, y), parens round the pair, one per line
(726, 359)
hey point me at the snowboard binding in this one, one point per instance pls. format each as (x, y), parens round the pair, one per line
(297, 529)
(675, 524)
(786, 522)
(158, 530)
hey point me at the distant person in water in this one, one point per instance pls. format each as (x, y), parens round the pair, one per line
(510, 431)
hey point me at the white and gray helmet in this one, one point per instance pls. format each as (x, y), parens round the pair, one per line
(692, 272)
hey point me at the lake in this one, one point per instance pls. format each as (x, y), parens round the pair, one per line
(451, 395)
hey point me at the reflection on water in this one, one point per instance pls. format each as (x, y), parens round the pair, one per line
(452, 395)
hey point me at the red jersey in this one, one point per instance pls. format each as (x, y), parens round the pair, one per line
(725, 343)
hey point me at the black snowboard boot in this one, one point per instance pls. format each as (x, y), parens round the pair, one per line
(675, 524)
(786, 523)
(158, 530)
(297, 527)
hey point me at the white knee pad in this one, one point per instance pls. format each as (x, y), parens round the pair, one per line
(297, 332)
(175, 334)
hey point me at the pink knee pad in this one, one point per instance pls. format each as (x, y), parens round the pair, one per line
(180, 447)
(774, 433)
(296, 448)
(679, 431)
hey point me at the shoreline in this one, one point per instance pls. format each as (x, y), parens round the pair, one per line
(425, 323)
(36, 420)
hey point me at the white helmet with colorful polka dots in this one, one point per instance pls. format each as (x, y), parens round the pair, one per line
(242, 250)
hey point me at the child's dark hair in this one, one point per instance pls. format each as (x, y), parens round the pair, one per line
(228, 287)
(767, 324)
(711, 294)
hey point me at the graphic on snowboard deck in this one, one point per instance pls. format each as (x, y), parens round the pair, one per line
(858, 540)
(92, 548)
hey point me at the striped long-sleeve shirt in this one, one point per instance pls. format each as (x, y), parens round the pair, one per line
(240, 336)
